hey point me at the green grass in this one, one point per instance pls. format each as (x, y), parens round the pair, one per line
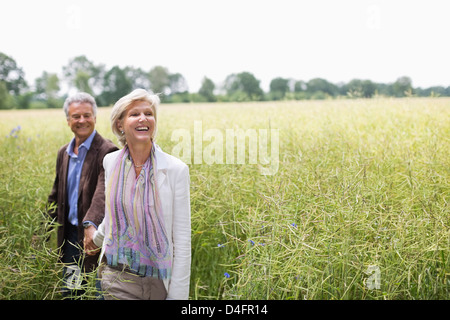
(360, 183)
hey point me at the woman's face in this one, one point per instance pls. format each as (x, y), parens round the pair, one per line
(138, 123)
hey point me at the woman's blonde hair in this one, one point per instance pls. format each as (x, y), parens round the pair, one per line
(122, 104)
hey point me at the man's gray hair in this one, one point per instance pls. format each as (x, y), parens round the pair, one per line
(80, 97)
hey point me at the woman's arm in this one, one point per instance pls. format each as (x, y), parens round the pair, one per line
(181, 235)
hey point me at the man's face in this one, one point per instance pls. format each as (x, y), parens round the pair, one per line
(81, 120)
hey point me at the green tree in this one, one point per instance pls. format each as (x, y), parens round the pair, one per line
(159, 79)
(243, 87)
(12, 75)
(300, 86)
(318, 86)
(116, 84)
(177, 83)
(23, 101)
(47, 88)
(435, 91)
(81, 81)
(207, 90)
(402, 86)
(384, 89)
(360, 88)
(6, 100)
(278, 88)
(138, 77)
(83, 74)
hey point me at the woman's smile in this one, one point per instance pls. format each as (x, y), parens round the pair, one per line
(139, 123)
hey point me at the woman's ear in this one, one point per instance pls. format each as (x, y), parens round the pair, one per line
(119, 125)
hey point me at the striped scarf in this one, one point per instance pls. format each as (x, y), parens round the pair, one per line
(134, 225)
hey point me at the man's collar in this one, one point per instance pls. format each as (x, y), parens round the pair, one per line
(86, 144)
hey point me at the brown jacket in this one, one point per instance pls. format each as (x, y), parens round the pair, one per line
(91, 194)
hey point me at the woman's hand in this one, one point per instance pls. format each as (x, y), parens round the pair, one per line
(89, 246)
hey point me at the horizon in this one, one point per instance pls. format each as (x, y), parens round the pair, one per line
(374, 40)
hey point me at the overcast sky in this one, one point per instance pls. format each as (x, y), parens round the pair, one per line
(338, 40)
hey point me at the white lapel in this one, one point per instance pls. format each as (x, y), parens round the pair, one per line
(161, 166)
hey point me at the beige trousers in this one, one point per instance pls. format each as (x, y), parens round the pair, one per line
(123, 285)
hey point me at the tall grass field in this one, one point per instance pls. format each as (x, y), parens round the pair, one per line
(358, 207)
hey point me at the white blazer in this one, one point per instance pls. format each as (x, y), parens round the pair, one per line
(172, 178)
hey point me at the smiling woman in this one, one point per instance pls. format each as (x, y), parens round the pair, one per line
(139, 102)
(138, 125)
(146, 233)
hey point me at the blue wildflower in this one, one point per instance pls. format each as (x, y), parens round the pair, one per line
(252, 242)
(226, 274)
(14, 132)
(294, 225)
(220, 245)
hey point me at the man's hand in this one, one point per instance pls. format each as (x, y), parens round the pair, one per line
(89, 246)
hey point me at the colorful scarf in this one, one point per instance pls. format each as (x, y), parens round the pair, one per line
(134, 224)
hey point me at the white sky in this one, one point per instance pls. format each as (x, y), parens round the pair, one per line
(338, 40)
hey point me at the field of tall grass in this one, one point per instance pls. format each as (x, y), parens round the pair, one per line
(358, 209)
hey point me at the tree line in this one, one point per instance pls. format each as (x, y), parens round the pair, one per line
(108, 85)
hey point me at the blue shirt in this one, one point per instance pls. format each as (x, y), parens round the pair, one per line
(73, 178)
